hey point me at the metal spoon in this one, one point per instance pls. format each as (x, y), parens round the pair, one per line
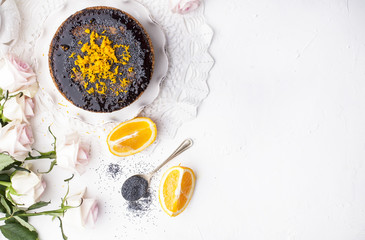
(136, 186)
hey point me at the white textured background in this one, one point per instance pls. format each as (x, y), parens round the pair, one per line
(280, 141)
(281, 138)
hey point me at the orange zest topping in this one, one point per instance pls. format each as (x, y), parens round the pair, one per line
(99, 64)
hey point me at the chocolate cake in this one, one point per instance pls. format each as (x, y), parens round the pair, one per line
(101, 59)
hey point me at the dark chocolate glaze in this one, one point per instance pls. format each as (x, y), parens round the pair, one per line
(119, 27)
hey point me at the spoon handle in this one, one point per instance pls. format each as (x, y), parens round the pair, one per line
(184, 146)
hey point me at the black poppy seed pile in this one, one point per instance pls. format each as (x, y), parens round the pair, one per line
(114, 170)
(110, 174)
(140, 206)
(134, 188)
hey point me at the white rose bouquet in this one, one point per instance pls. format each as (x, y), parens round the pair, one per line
(20, 187)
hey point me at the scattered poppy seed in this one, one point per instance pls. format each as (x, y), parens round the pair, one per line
(114, 170)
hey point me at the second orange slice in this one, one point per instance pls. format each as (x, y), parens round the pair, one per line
(132, 137)
(176, 189)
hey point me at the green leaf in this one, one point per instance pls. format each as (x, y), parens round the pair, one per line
(13, 220)
(8, 196)
(3, 178)
(5, 160)
(2, 209)
(15, 231)
(25, 224)
(5, 184)
(5, 205)
(38, 205)
(13, 191)
(5, 120)
(14, 165)
(21, 169)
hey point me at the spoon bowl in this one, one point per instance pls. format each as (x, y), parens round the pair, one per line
(135, 187)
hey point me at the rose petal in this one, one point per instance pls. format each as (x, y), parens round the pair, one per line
(29, 107)
(89, 211)
(16, 139)
(71, 153)
(19, 109)
(82, 159)
(66, 155)
(184, 6)
(38, 191)
(25, 135)
(20, 65)
(17, 76)
(29, 187)
(23, 181)
(73, 217)
(86, 214)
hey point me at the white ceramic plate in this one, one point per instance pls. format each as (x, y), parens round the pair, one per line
(59, 102)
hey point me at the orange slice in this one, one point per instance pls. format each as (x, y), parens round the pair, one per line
(176, 189)
(131, 137)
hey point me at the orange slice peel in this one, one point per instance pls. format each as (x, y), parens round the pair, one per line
(131, 137)
(176, 190)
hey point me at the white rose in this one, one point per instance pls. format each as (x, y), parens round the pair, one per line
(85, 215)
(29, 188)
(71, 153)
(184, 6)
(19, 108)
(16, 139)
(17, 76)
